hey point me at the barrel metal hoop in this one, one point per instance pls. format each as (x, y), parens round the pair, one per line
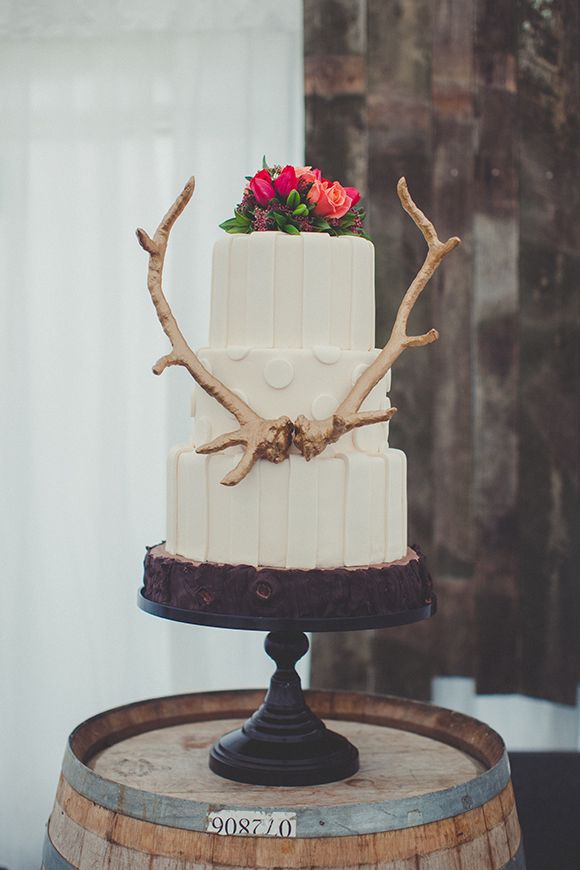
(518, 862)
(339, 821)
(51, 857)
(53, 860)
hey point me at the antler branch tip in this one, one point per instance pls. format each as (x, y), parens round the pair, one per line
(163, 363)
(145, 241)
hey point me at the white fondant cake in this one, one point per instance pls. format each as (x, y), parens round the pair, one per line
(291, 329)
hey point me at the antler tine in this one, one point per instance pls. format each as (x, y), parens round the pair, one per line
(399, 340)
(312, 436)
(269, 438)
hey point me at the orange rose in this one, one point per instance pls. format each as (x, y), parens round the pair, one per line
(331, 199)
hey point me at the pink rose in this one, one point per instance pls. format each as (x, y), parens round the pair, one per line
(307, 174)
(331, 199)
(261, 187)
(354, 194)
(286, 181)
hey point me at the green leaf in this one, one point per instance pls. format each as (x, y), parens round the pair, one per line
(291, 230)
(265, 163)
(248, 177)
(300, 209)
(240, 230)
(321, 224)
(360, 234)
(242, 219)
(227, 225)
(293, 199)
(281, 219)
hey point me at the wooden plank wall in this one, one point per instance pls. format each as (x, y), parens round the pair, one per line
(477, 104)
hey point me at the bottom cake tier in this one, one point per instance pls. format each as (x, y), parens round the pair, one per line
(247, 591)
(342, 509)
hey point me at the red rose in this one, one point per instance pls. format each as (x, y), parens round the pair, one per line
(331, 199)
(286, 181)
(354, 194)
(261, 187)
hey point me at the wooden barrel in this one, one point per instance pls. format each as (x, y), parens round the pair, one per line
(433, 793)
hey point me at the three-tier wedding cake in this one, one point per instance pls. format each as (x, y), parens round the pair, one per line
(291, 330)
(289, 476)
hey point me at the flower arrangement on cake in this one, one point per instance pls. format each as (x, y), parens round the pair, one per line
(296, 199)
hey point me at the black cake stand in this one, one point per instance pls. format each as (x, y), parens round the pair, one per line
(283, 743)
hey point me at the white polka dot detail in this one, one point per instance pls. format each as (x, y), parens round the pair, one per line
(357, 372)
(327, 353)
(237, 352)
(278, 373)
(242, 395)
(324, 406)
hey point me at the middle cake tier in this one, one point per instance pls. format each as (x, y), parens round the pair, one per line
(277, 382)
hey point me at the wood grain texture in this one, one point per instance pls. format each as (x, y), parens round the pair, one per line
(394, 764)
(478, 105)
(413, 755)
(287, 593)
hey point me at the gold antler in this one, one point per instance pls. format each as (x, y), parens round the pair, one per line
(312, 436)
(269, 439)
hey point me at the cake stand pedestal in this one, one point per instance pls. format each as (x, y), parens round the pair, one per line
(284, 743)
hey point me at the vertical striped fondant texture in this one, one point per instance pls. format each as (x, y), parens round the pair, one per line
(276, 290)
(291, 331)
(337, 509)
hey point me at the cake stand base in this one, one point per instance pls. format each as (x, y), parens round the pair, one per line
(283, 742)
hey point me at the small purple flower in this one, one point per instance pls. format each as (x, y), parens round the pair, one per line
(261, 220)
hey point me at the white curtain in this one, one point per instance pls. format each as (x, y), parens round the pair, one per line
(526, 724)
(107, 108)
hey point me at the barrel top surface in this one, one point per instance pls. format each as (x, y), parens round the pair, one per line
(395, 764)
(420, 763)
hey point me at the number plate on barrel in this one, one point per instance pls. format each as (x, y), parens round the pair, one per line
(251, 823)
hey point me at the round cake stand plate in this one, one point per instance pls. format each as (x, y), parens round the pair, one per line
(284, 743)
(276, 623)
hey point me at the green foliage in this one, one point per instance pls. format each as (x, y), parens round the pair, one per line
(238, 224)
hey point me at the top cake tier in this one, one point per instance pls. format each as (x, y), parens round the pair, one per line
(270, 289)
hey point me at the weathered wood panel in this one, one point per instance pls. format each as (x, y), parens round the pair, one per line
(399, 144)
(495, 317)
(478, 105)
(549, 352)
